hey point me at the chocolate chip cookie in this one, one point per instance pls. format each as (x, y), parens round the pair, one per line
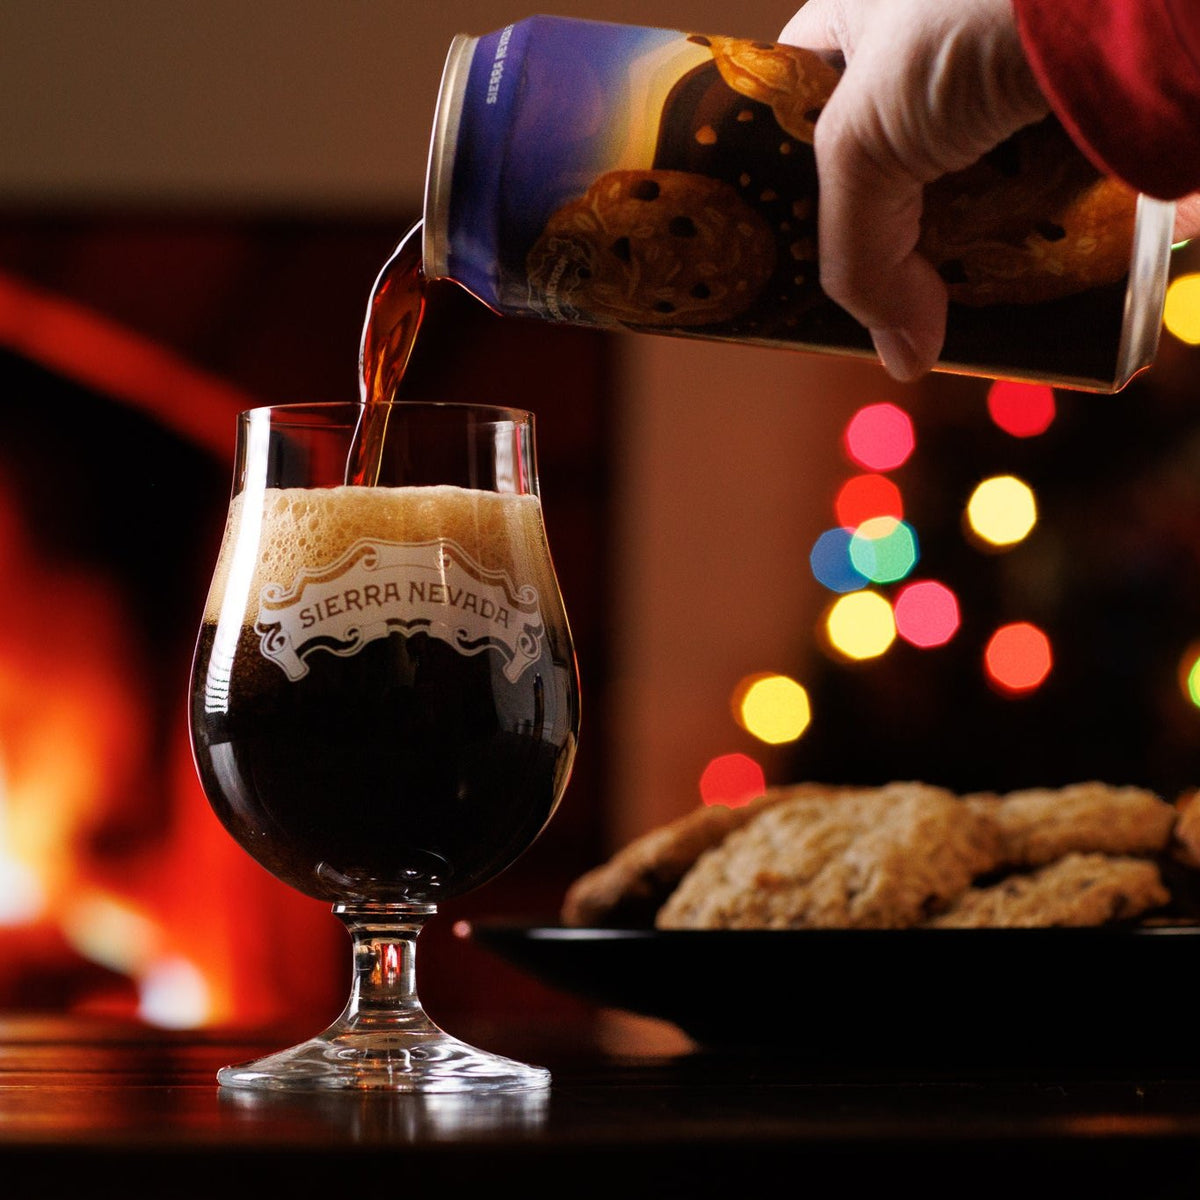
(1038, 825)
(1075, 890)
(878, 858)
(632, 885)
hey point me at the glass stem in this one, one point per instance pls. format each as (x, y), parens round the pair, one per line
(383, 993)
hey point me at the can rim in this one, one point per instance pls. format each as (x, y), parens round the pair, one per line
(1146, 294)
(435, 238)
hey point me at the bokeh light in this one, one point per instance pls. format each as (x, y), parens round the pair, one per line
(879, 437)
(1018, 657)
(773, 708)
(1021, 409)
(1002, 510)
(732, 779)
(1181, 311)
(1189, 674)
(862, 497)
(884, 549)
(861, 625)
(831, 563)
(926, 614)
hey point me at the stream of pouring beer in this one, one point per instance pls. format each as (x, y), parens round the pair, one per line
(394, 313)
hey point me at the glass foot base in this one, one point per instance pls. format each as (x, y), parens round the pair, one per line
(384, 1061)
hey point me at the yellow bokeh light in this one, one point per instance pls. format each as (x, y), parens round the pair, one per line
(1002, 510)
(774, 708)
(1181, 311)
(861, 625)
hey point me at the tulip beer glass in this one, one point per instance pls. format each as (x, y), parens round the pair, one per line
(384, 699)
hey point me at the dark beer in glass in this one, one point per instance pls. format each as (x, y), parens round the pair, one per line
(384, 702)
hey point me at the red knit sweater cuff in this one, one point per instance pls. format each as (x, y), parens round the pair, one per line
(1123, 76)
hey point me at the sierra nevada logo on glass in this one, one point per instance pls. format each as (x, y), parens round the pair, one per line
(378, 587)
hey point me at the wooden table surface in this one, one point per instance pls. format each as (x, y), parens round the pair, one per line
(90, 1107)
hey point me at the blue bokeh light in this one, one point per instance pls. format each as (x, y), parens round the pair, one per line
(831, 563)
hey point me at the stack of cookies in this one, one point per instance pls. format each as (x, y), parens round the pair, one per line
(905, 855)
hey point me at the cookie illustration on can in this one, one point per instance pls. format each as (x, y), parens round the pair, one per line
(654, 248)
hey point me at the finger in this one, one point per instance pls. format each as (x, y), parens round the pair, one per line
(816, 26)
(910, 350)
(1187, 217)
(868, 227)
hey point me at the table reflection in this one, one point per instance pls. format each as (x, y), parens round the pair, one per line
(374, 1117)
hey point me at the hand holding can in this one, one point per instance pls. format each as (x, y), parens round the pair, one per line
(658, 180)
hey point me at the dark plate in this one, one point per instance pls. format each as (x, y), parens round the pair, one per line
(1097, 997)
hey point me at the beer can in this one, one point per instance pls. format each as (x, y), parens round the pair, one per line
(664, 181)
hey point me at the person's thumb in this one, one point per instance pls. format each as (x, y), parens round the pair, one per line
(1187, 217)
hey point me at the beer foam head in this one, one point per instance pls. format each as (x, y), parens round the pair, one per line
(294, 530)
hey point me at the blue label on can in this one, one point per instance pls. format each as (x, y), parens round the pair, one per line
(540, 111)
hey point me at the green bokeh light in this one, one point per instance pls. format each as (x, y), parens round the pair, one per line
(884, 549)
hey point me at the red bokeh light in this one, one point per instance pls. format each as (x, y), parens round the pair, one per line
(879, 437)
(926, 614)
(732, 779)
(863, 497)
(1021, 409)
(1018, 657)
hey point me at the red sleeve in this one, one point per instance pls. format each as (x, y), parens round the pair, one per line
(1124, 78)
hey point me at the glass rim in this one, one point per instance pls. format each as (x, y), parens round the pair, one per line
(496, 413)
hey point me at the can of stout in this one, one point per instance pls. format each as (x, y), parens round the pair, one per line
(656, 180)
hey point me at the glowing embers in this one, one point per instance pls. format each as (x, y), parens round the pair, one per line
(860, 625)
(773, 708)
(1018, 658)
(1021, 409)
(1001, 511)
(172, 991)
(22, 896)
(1181, 311)
(879, 437)
(926, 614)
(732, 779)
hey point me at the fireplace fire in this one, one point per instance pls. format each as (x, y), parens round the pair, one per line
(127, 344)
(119, 892)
